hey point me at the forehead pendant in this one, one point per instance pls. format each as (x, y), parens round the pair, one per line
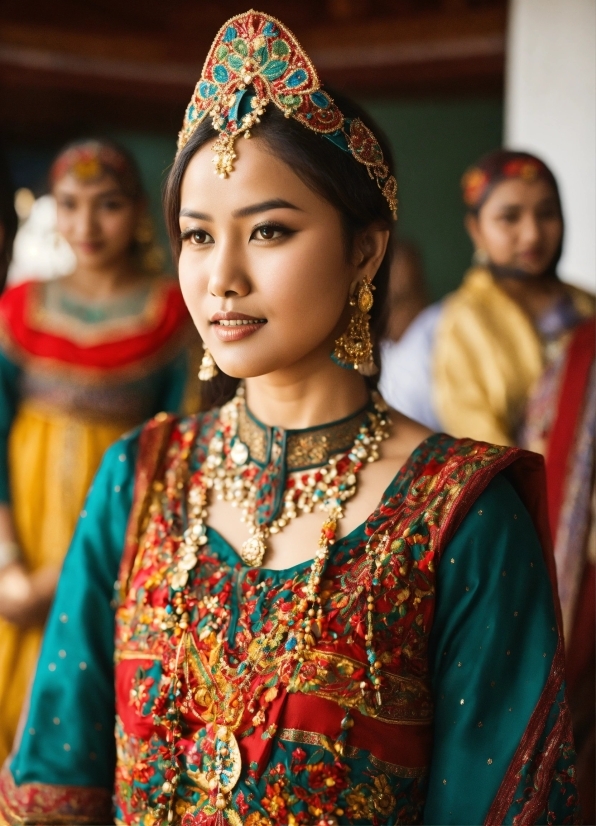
(254, 61)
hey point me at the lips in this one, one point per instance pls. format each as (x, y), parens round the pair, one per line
(233, 326)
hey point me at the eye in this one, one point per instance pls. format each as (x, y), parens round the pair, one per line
(66, 203)
(112, 205)
(196, 237)
(268, 232)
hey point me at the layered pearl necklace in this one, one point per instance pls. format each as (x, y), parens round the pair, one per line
(226, 471)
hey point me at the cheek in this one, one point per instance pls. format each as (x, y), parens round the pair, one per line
(194, 284)
(118, 227)
(304, 290)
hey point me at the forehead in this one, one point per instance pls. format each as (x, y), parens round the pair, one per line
(258, 175)
(516, 191)
(71, 185)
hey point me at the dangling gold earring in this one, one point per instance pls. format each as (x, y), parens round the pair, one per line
(208, 369)
(480, 258)
(354, 349)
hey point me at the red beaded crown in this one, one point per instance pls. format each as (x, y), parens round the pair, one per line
(256, 50)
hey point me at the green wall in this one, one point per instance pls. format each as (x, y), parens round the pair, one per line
(433, 142)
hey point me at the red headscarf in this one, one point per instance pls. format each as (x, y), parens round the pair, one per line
(502, 165)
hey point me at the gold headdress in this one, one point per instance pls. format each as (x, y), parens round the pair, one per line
(256, 50)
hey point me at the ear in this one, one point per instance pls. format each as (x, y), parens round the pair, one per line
(472, 226)
(369, 250)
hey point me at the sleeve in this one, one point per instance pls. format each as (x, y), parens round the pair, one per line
(502, 738)
(406, 378)
(66, 755)
(9, 377)
(469, 389)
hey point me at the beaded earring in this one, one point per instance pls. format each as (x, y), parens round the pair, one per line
(208, 369)
(354, 349)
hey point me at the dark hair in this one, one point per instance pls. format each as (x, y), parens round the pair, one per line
(501, 165)
(325, 168)
(479, 181)
(111, 158)
(8, 220)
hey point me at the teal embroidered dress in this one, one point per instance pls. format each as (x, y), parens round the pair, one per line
(472, 726)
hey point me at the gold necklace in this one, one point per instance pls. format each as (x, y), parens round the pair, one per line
(327, 488)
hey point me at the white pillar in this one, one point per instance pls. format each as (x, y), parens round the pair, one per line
(550, 109)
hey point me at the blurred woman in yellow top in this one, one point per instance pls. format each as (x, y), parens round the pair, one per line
(474, 357)
(83, 358)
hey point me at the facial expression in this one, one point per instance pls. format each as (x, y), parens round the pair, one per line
(96, 219)
(264, 268)
(519, 226)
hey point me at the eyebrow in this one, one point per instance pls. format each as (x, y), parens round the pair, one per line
(244, 212)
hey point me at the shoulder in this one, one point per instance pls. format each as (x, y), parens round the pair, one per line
(448, 475)
(14, 299)
(583, 301)
(168, 432)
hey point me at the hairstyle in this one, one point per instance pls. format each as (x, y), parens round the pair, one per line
(88, 160)
(327, 170)
(8, 220)
(500, 165)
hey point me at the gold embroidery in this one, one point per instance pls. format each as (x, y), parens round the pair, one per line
(405, 700)
(304, 448)
(313, 738)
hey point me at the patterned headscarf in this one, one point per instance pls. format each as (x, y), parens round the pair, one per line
(498, 166)
(88, 161)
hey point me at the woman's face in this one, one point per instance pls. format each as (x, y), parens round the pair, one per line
(96, 219)
(264, 268)
(519, 226)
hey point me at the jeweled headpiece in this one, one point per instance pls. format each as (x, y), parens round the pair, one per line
(501, 165)
(90, 160)
(256, 50)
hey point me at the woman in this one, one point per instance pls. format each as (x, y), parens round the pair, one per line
(561, 424)
(82, 359)
(281, 662)
(467, 364)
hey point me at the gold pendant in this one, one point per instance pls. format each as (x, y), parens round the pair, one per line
(223, 774)
(254, 549)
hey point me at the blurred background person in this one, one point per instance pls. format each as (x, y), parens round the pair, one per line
(8, 221)
(83, 358)
(561, 424)
(468, 364)
(407, 289)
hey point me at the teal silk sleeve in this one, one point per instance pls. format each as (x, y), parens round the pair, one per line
(492, 645)
(9, 378)
(68, 737)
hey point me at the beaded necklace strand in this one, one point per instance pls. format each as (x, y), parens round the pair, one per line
(226, 471)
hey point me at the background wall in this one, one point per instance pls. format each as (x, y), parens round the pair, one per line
(551, 110)
(433, 142)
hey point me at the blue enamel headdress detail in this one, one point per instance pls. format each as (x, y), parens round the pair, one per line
(256, 50)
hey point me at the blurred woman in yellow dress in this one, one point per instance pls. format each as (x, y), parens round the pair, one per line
(467, 364)
(83, 359)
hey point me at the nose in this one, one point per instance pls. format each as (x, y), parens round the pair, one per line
(228, 277)
(85, 222)
(531, 233)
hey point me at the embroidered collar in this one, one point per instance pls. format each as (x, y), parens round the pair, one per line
(302, 449)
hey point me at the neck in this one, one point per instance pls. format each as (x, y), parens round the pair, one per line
(104, 282)
(305, 396)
